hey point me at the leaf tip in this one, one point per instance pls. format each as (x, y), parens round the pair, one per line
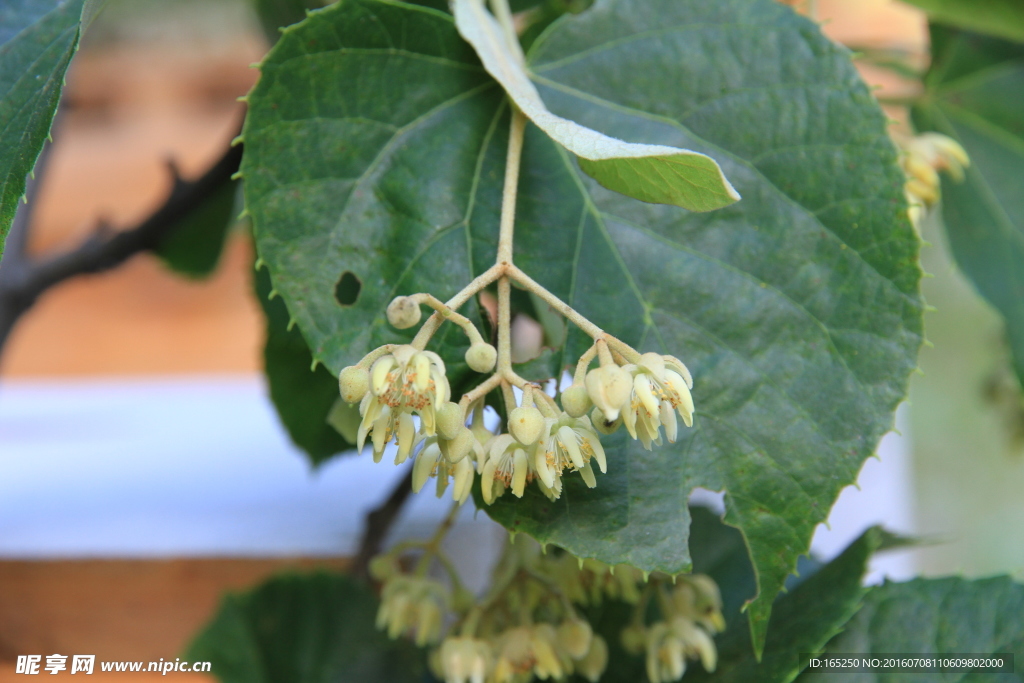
(259, 262)
(236, 175)
(237, 140)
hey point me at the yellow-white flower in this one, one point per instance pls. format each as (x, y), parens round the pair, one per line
(697, 597)
(569, 443)
(507, 466)
(465, 660)
(403, 382)
(527, 649)
(661, 388)
(412, 603)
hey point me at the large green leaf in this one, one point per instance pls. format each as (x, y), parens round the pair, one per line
(935, 616)
(304, 629)
(37, 40)
(304, 397)
(975, 93)
(998, 17)
(375, 147)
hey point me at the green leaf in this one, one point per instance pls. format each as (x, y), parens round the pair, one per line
(803, 620)
(975, 94)
(1003, 18)
(375, 147)
(305, 399)
(193, 248)
(277, 14)
(37, 40)
(718, 551)
(304, 629)
(934, 616)
(650, 173)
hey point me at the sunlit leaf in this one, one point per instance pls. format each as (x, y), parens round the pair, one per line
(651, 173)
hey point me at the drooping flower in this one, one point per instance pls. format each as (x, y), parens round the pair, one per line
(671, 643)
(527, 649)
(402, 383)
(465, 660)
(661, 388)
(568, 443)
(413, 603)
(507, 467)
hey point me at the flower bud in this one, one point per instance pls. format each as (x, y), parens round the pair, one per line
(594, 663)
(576, 401)
(574, 636)
(609, 387)
(383, 567)
(450, 420)
(354, 382)
(525, 423)
(603, 425)
(458, 448)
(481, 356)
(403, 312)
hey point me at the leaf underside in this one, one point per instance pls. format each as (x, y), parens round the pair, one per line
(975, 93)
(37, 40)
(797, 309)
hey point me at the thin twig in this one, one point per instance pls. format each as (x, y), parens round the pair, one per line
(378, 523)
(23, 283)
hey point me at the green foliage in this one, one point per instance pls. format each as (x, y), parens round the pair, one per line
(935, 616)
(304, 398)
(274, 15)
(803, 620)
(975, 94)
(997, 17)
(37, 40)
(193, 247)
(797, 308)
(304, 629)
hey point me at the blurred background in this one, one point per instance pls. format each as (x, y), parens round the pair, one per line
(143, 470)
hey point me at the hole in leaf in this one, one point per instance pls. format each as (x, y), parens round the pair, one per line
(347, 289)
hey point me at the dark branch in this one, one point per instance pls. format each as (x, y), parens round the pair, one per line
(22, 282)
(378, 523)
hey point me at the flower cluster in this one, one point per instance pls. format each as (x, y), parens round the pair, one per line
(529, 626)
(544, 441)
